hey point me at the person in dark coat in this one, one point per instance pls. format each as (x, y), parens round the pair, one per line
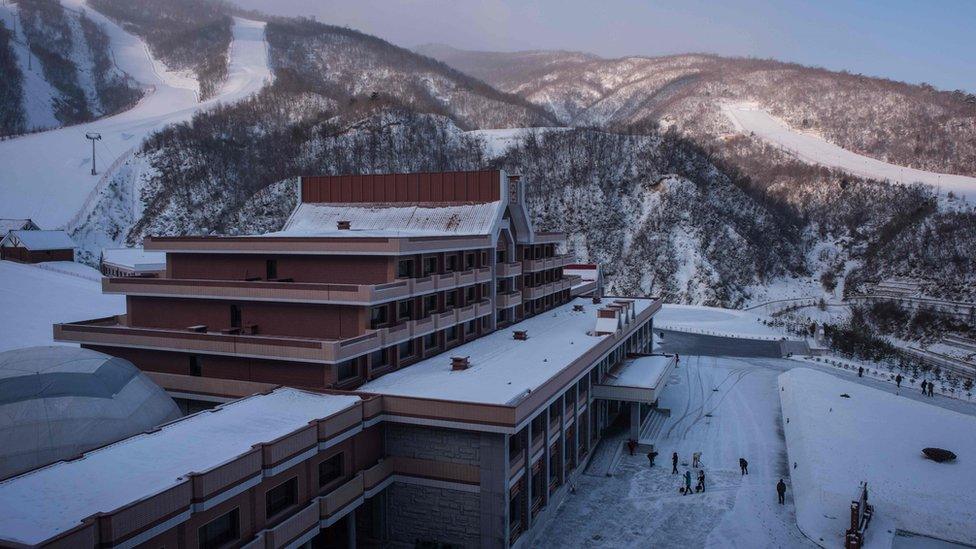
(898, 381)
(674, 463)
(781, 491)
(924, 385)
(931, 388)
(687, 482)
(650, 457)
(860, 371)
(743, 466)
(701, 480)
(631, 445)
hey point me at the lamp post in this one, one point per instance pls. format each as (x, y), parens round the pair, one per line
(93, 137)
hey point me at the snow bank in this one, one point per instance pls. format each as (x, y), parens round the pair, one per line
(32, 299)
(877, 437)
(72, 268)
(714, 321)
(810, 148)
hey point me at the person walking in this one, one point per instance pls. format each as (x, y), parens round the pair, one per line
(687, 482)
(743, 466)
(701, 480)
(650, 457)
(931, 388)
(631, 445)
(898, 379)
(696, 459)
(781, 491)
(860, 371)
(924, 384)
(674, 463)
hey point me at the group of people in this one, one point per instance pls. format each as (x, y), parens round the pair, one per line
(696, 463)
(927, 388)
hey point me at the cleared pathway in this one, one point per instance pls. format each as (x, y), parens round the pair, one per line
(815, 150)
(47, 176)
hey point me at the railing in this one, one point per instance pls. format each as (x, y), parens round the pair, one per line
(508, 269)
(336, 500)
(293, 527)
(305, 292)
(533, 265)
(509, 299)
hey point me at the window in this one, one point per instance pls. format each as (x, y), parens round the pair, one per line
(430, 341)
(347, 370)
(195, 369)
(404, 310)
(450, 263)
(380, 358)
(330, 469)
(405, 349)
(500, 256)
(430, 265)
(502, 315)
(469, 295)
(281, 497)
(271, 269)
(450, 299)
(430, 304)
(405, 268)
(377, 316)
(470, 327)
(220, 531)
(451, 333)
(235, 316)
(468, 261)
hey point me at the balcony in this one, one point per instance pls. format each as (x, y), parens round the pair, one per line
(508, 269)
(533, 265)
(302, 292)
(295, 530)
(511, 299)
(536, 292)
(332, 504)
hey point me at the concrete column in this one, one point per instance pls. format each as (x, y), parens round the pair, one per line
(635, 420)
(351, 530)
(493, 495)
(576, 423)
(528, 476)
(545, 458)
(562, 438)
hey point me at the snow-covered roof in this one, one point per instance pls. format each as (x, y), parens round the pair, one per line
(7, 225)
(40, 240)
(45, 502)
(644, 371)
(392, 220)
(502, 368)
(135, 258)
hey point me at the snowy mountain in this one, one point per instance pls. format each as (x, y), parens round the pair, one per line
(58, 68)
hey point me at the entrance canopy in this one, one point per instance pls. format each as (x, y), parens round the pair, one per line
(640, 379)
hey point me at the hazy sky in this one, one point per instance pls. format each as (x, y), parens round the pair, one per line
(916, 41)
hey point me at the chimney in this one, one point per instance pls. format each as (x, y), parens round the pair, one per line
(520, 335)
(344, 225)
(577, 308)
(596, 300)
(460, 362)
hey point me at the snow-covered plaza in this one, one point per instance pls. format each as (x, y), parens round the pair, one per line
(729, 408)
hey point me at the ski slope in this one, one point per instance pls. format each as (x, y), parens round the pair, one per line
(47, 176)
(34, 297)
(812, 149)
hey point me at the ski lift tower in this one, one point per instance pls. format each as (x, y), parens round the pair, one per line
(93, 137)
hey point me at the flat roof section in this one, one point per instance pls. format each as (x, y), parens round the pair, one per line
(644, 371)
(502, 369)
(48, 501)
(392, 220)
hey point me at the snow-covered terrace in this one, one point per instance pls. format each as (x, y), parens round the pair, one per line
(48, 501)
(134, 258)
(502, 369)
(392, 220)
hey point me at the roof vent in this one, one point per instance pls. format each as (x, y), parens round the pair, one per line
(596, 300)
(520, 335)
(344, 225)
(460, 362)
(578, 308)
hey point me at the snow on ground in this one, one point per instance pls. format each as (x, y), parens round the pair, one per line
(33, 298)
(47, 176)
(497, 142)
(813, 149)
(641, 507)
(877, 437)
(715, 321)
(72, 268)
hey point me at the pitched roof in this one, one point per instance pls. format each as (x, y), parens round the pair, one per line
(40, 240)
(7, 225)
(311, 219)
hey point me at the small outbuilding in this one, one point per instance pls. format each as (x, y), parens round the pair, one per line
(132, 262)
(37, 246)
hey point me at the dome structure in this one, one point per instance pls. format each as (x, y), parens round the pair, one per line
(57, 402)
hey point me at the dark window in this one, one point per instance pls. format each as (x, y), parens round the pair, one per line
(405, 349)
(430, 305)
(484, 259)
(330, 469)
(195, 366)
(469, 261)
(430, 341)
(377, 316)
(281, 497)
(500, 256)
(235, 316)
(502, 315)
(470, 327)
(404, 310)
(451, 333)
(405, 268)
(450, 263)
(220, 531)
(271, 268)
(450, 299)
(430, 265)
(347, 370)
(469, 295)
(380, 358)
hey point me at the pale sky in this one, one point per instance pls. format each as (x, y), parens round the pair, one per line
(914, 41)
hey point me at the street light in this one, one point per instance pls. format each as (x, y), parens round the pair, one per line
(93, 137)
